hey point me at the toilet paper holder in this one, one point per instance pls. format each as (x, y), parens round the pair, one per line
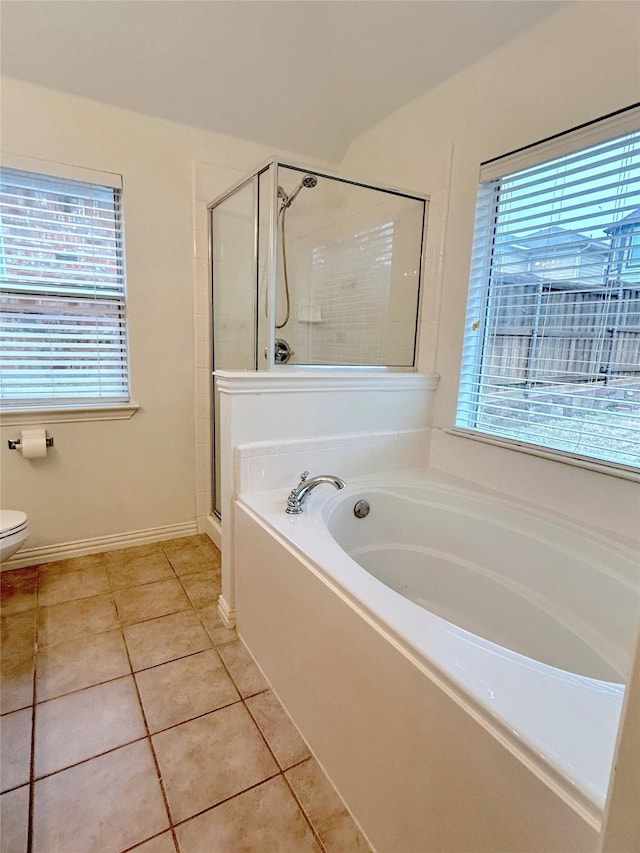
(17, 444)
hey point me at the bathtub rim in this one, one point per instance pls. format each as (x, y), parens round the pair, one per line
(266, 509)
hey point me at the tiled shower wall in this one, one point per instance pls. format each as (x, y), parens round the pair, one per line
(353, 283)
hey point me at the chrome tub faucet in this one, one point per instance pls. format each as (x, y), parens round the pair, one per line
(298, 496)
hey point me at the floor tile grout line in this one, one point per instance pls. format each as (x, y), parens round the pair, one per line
(279, 774)
(152, 734)
(150, 618)
(146, 737)
(130, 672)
(32, 777)
(283, 770)
(151, 745)
(79, 637)
(32, 757)
(228, 799)
(171, 577)
(40, 569)
(45, 571)
(13, 788)
(82, 689)
(82, 637)
(262, 734)
(171, 660)
(66, 574)
(307, 817)
(39, 575)
(119, 615)
(198, 572)
(241, 700)
(72, 600)
(112, 592)
(297, 763)
(166, 579)
(228, 669)
(15, 710)
(195, 606)
(123, 627)
(105, 565)
(209, 633)
(139, 844)
(89, 758)
(190, 606)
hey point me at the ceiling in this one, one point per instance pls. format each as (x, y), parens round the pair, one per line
(302, 75)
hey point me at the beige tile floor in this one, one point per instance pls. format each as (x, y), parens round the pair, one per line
(132, 719)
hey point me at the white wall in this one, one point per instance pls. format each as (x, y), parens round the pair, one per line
(576, 66)
(111, 477)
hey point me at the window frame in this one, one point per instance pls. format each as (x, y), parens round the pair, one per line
(49, 410)
(574, 141)
(633, 258)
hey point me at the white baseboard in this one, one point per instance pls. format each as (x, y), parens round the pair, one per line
(210, 525)
(227, 615)
(82, 547)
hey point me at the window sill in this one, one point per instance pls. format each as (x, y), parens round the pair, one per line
(68, 414)
(623, 471)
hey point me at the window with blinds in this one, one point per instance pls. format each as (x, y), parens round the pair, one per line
(62, 305)
(552, 343)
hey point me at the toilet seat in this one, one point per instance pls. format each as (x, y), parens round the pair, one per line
(12, 521)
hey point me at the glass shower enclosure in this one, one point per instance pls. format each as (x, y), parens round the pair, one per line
(311, 269)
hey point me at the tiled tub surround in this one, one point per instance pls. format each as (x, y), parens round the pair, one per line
(269, 465)
(454, 742)
(133, 719)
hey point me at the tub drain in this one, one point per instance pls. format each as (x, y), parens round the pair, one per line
(361, 509)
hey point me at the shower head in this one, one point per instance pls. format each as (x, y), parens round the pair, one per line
(309, 181)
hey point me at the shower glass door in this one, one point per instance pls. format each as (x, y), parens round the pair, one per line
(234, 309)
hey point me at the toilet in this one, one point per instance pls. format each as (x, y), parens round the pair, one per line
(14, 531)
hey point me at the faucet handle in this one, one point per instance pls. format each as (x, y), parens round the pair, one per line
(304, 476)
(293, 504)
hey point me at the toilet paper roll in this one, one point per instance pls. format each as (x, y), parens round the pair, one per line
(33, 443)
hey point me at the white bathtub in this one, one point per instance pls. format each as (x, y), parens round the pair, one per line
(525, 621)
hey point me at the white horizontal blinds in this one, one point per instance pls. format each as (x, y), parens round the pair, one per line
(552, 347)
(62, 319)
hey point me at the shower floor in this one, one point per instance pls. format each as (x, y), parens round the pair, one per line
(132, 719)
